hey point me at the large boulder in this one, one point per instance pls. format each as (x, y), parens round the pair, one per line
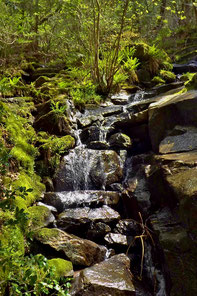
(179, 250)
(176, 179)
(166, 114)
(179, 139)
(111, 277)
(78, 251)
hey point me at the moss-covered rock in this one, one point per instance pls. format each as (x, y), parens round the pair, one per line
(79, 251)
(158, 80)
(192, 82)
(63, 268)
(39, 216)
(32, 181)
(168, 76)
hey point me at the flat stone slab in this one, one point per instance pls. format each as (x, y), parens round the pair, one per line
(85, 215)
(72, 199)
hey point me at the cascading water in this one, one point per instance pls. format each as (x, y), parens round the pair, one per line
(86, 178)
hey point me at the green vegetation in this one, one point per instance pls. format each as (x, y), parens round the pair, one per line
(54, 56)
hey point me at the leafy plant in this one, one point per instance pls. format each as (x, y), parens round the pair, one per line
(57, 108)
(7, 202)
(157, 59)
(8, 84)
(4, 159)
(32, 276)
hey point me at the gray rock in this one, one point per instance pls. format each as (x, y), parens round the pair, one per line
(86, 215)
(179, 139)
(72, 199)
(120, 140)
(108, 278)
(96, 231)
(127, 227)
(117, 239)
(120, 98)
(169, 112)
(88, 120)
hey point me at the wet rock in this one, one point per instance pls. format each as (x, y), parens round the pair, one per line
(111, 277)
(140, 137)
(162, 119)
(136, 107)
(120, 140)
(167, 87)
(136, 195)
(88, 120)
(90, 134)
(80, 216)
(96, 231)
(120, 98)
(78, 251)
(72, 199)
(96, 135)
(106, 111)
(116, 187)
(177, 228)
(127, 227)
(100, 169)
(125, 120)
(117, 239)
(98, 145)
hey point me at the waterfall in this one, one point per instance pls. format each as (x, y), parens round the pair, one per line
(92, 181)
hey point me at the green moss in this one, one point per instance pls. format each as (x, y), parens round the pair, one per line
(158, 80)
(38, 216)
(45, 234)
(21, 136)
(11, 249)
(28, 181)
(168, 76)
(58, 145)
(191, 84)
(62, 267)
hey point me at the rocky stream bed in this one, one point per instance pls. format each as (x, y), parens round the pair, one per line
(122, 206)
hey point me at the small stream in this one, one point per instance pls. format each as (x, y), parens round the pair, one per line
(102, 193)
(92, 177)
